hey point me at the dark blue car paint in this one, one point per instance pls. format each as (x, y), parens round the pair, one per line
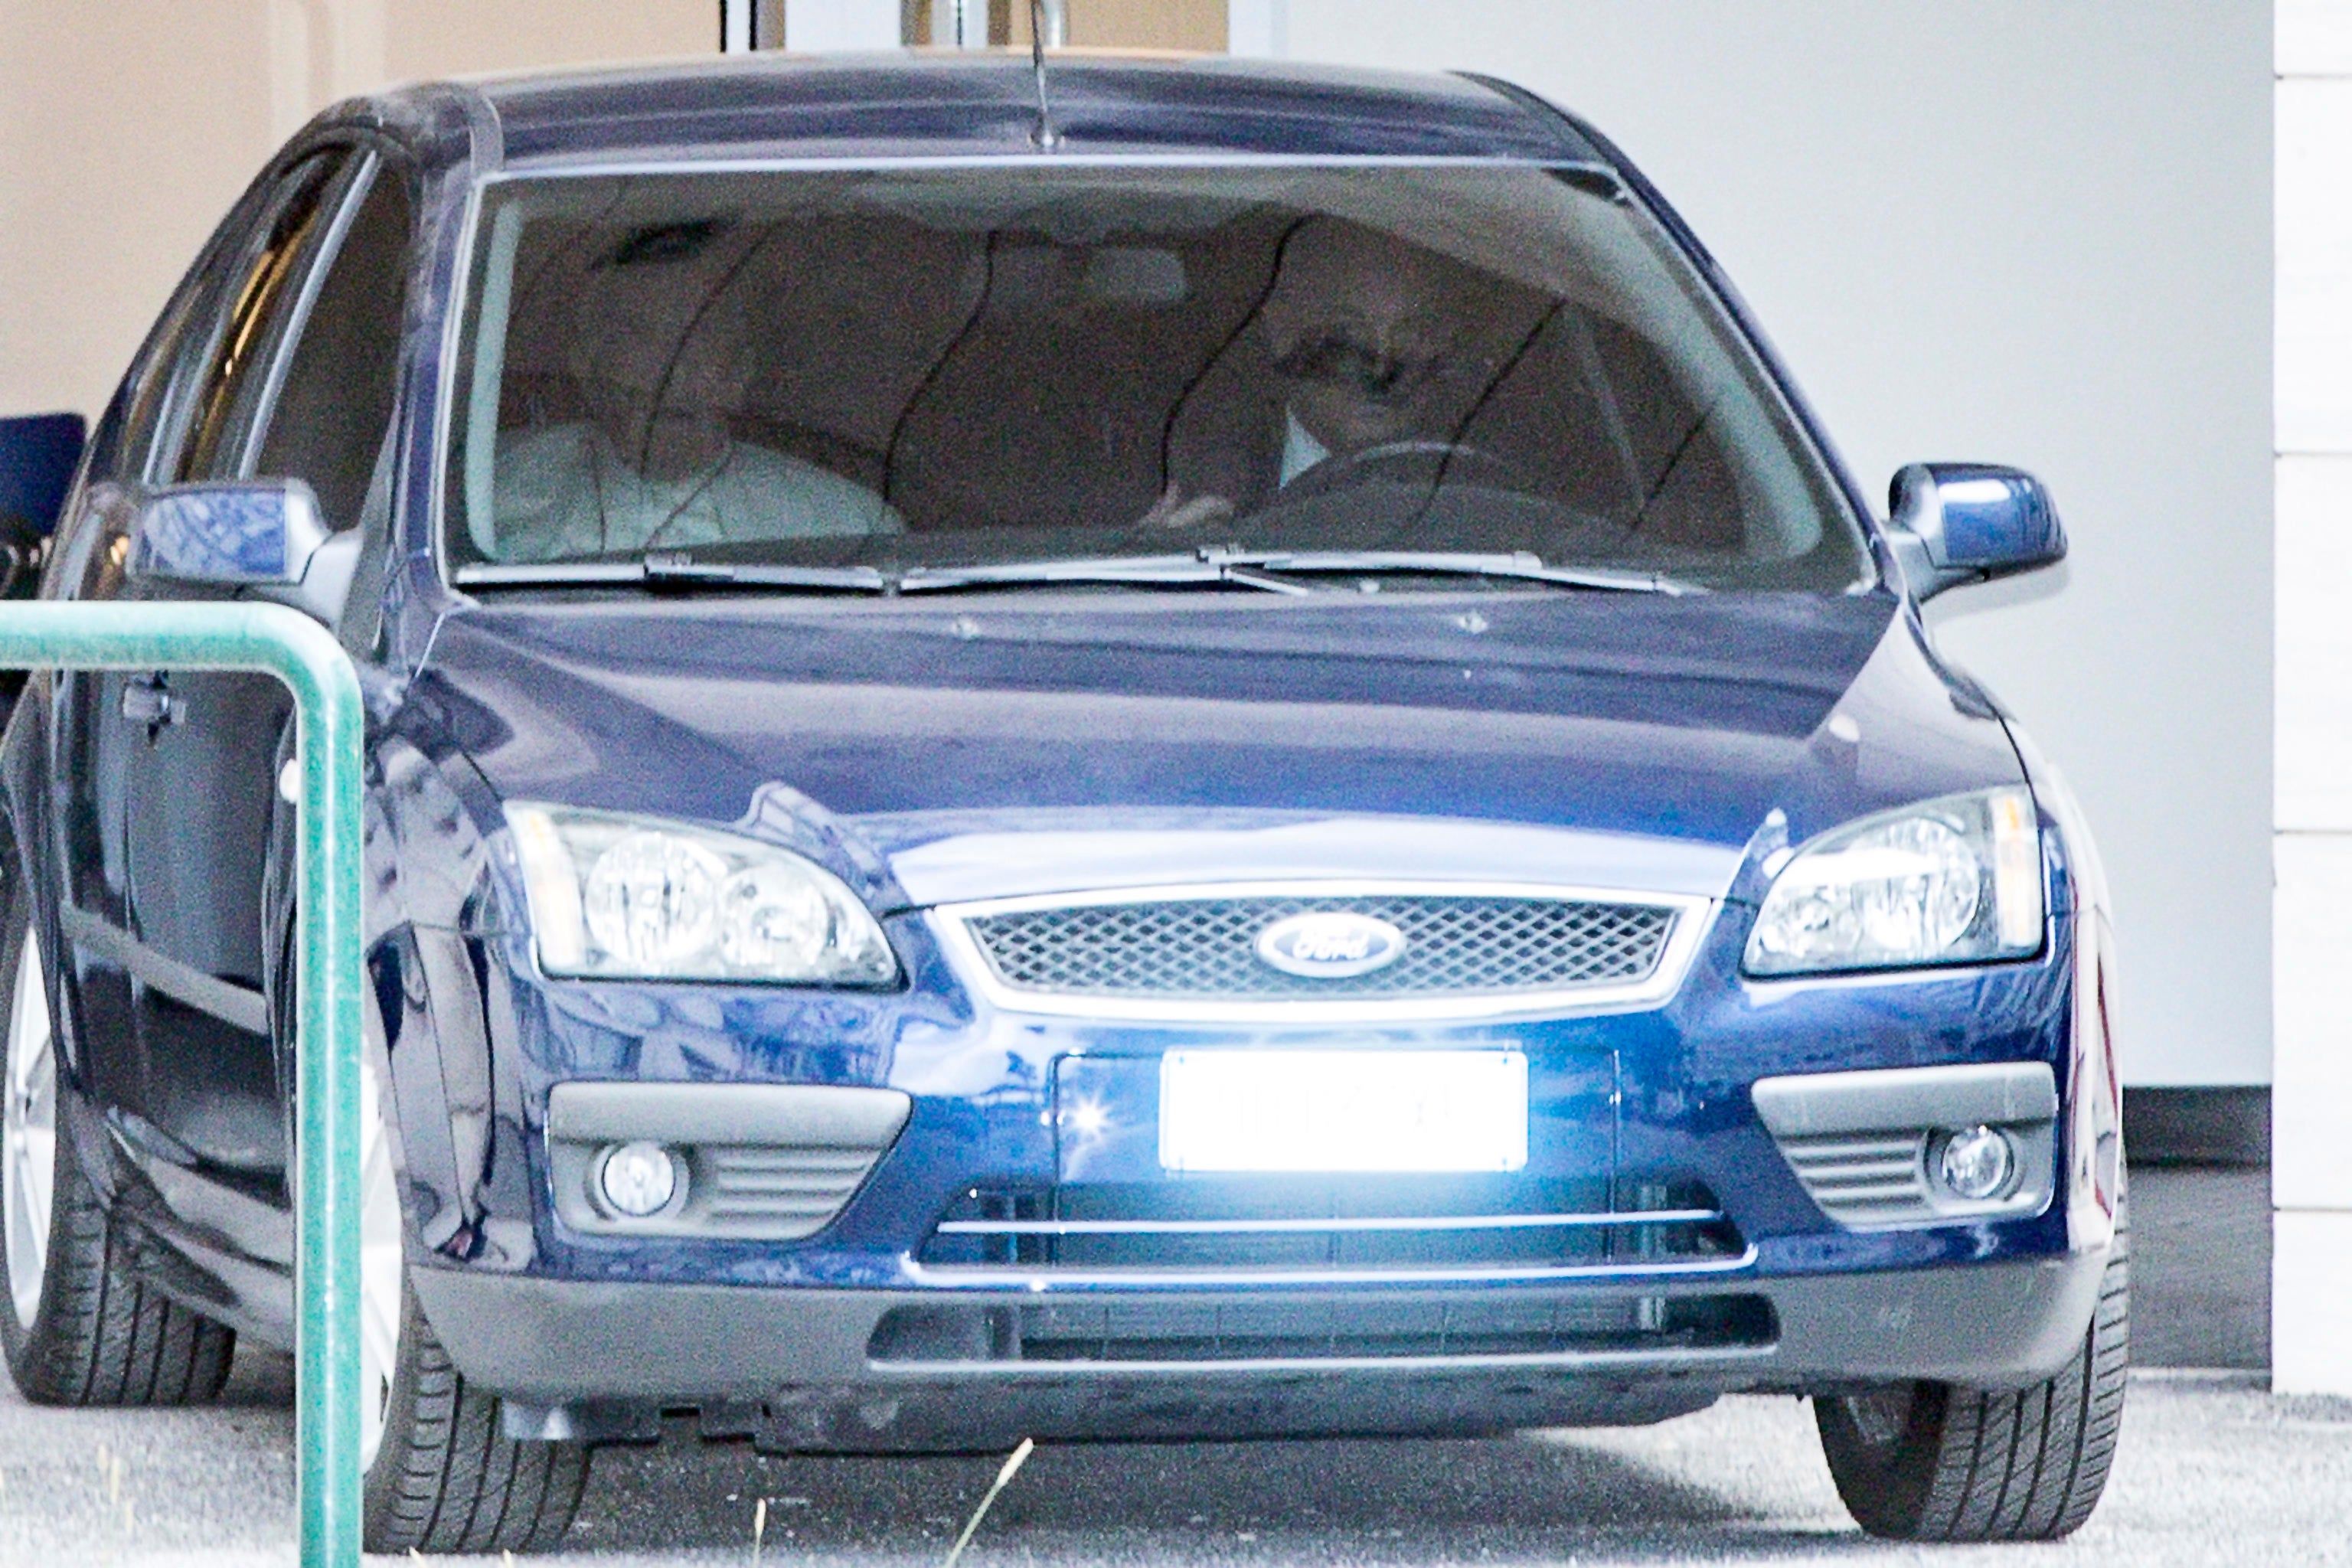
(959, 749)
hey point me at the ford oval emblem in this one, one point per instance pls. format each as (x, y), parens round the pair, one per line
(1331, 944)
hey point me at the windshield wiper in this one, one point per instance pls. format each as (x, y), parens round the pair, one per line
(670, 569)
(1519, 565)
(1142, 571)
(1269, 569)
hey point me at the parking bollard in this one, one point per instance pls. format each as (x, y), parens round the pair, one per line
(275, 640)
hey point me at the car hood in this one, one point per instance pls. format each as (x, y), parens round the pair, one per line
(992, 746)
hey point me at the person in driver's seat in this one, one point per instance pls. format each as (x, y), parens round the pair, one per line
(1377, 343)
(1380, 350)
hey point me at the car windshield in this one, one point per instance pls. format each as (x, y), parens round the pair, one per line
(909, 370)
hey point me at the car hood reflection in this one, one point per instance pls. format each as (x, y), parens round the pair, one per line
(993, 746)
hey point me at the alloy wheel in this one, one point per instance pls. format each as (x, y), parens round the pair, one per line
(380, 1270)
(29, 1135)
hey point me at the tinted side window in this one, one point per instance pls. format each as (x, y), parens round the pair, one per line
(120, 447)
(335, 401)
(226, 386)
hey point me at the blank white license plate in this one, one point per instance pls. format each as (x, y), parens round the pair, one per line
(1343, 1111)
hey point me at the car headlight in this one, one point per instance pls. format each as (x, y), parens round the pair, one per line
(1946, 881)
(614, 896)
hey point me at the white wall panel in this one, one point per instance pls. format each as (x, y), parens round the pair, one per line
(813, 26)
(2022, 232)
(2315, 37)
(2310, 1109)
(2311, 1280)
(2315, 265)
(2311, 1163)
(1257, 27)
(2314, 643)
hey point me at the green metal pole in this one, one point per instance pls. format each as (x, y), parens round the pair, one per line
(275, 640)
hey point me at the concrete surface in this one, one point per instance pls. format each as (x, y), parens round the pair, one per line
(2211, 1472)
(2201, 1267)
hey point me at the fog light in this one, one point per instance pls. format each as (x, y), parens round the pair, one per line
(1976, 1163)
(639, 1179)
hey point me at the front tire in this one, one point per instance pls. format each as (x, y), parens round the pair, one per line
(79, 1326)
(445, 1477)
(1932, 1461)
(439, 1472)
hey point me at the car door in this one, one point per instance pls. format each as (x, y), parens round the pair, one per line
(300, 386)
(108, 725)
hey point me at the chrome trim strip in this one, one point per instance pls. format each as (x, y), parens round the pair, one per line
(1693, 916)
(1592, 1360)
(1255, 1226)
(1045, 1281)
(206, 994)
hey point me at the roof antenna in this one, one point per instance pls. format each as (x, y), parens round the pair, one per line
(1039, 13)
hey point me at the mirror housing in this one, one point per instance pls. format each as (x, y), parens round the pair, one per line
(260, 534)
(238, 534)
(38, 454)
(1956, 524)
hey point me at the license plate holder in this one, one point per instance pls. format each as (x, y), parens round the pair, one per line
(1343, 1111)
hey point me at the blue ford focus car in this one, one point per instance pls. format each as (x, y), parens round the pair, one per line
(1112, 752)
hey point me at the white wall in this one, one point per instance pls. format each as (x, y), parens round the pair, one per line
(812, 26)
(2311, 1171)
(2024, 231)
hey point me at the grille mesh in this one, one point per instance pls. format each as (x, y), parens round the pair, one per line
(1207, 947)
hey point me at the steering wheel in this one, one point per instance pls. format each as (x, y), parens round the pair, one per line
(1408, 462)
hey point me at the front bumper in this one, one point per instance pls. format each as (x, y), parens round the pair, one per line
(792, 1341)
(801, 1360)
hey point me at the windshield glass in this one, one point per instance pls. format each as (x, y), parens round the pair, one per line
(958, 367)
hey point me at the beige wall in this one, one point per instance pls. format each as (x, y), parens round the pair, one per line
(1136, 24)
(127, 128)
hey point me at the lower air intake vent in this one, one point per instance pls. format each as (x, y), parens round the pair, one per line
(1860, 1182)
(1148, 1331)
(769, 1191)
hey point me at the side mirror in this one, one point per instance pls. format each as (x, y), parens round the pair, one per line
(1955, 524)
(38, 453)
(261, 534)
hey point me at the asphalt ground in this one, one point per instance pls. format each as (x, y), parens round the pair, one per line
(2202, 1266)
(2212, 1470)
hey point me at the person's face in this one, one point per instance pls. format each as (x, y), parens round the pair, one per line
(1369, 336)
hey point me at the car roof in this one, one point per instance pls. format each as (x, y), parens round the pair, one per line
(944, 104)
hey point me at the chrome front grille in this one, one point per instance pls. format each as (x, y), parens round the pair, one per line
(1206, 947)
(1305, 1226)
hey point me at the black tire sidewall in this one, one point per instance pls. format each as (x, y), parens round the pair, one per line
(380, 1485)
(1886, 1488)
